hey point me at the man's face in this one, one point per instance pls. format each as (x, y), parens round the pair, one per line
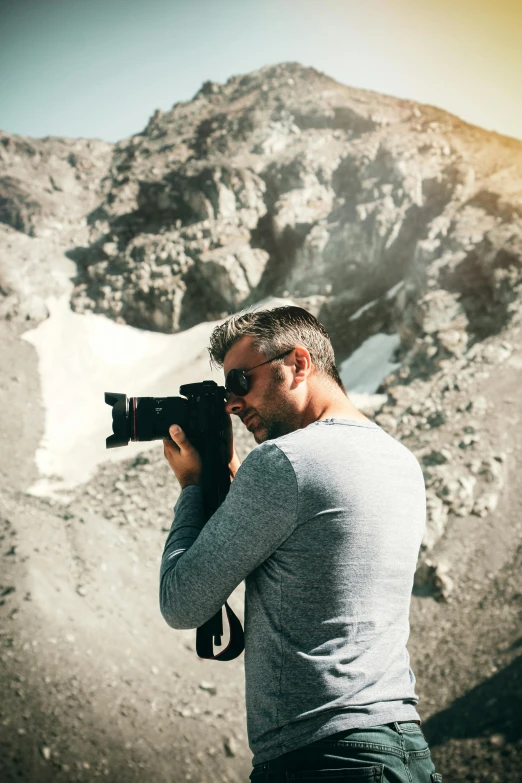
(267, 409)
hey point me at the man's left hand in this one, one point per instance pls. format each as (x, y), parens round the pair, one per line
(182, 457)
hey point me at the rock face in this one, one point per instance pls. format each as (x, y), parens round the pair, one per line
(47, 189)
(284, 180)
(48, 183)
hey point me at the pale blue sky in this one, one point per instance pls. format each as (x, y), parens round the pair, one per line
(99, 68)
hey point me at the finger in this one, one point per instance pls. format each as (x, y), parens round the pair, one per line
(179, 438)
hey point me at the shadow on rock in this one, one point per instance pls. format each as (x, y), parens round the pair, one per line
(493, 707)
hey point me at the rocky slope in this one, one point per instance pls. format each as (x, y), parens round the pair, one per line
(48, 187)
(284, 180)
(379, 215)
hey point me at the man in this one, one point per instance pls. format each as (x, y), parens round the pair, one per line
(324, 521)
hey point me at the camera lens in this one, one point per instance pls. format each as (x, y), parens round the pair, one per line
(144, 418)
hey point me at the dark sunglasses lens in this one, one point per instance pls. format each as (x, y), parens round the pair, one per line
(237, 383)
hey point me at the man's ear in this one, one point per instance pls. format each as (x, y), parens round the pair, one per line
(302, 363)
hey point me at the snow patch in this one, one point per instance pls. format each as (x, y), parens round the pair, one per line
(83, 356)
(367, 367)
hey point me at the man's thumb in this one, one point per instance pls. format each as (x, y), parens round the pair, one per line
(178, 436)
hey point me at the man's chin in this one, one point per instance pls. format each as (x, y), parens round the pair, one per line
(260, 434)
(257, 433)
(262, 431)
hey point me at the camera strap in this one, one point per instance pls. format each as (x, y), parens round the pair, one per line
(205, 637)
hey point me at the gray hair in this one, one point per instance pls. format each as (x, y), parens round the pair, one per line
(275, 331)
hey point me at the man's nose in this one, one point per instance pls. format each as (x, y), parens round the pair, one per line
(234, 404)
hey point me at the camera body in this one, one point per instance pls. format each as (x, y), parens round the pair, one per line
(200, 412)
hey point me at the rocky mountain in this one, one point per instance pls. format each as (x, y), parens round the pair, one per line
(380, 216)
(284, 180)
(48, 187)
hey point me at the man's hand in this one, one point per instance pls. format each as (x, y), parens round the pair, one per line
(182, 457)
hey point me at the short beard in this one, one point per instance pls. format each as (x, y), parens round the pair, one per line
(274, 429)
(286, 420)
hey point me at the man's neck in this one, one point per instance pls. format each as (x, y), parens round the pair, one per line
(331, 405)
(349, 412)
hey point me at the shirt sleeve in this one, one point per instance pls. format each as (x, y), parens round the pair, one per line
(203, 563)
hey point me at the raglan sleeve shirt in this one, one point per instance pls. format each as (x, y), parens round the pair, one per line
(203, 563)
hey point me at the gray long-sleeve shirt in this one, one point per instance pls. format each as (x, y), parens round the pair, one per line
(325, 526)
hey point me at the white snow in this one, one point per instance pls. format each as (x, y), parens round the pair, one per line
(392, 291)
(362, 310)
(81, 357)
(389, 295)
(364, 370)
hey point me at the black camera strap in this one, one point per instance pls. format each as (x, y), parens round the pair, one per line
(206, 638)
(207, 424)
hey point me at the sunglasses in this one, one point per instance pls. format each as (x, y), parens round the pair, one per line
(237, 381)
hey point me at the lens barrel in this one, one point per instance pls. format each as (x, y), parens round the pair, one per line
(143, 418)
(151, 417)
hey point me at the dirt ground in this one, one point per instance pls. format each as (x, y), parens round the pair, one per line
(94, 684)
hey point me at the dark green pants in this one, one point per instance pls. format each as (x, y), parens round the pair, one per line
(394, 753)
